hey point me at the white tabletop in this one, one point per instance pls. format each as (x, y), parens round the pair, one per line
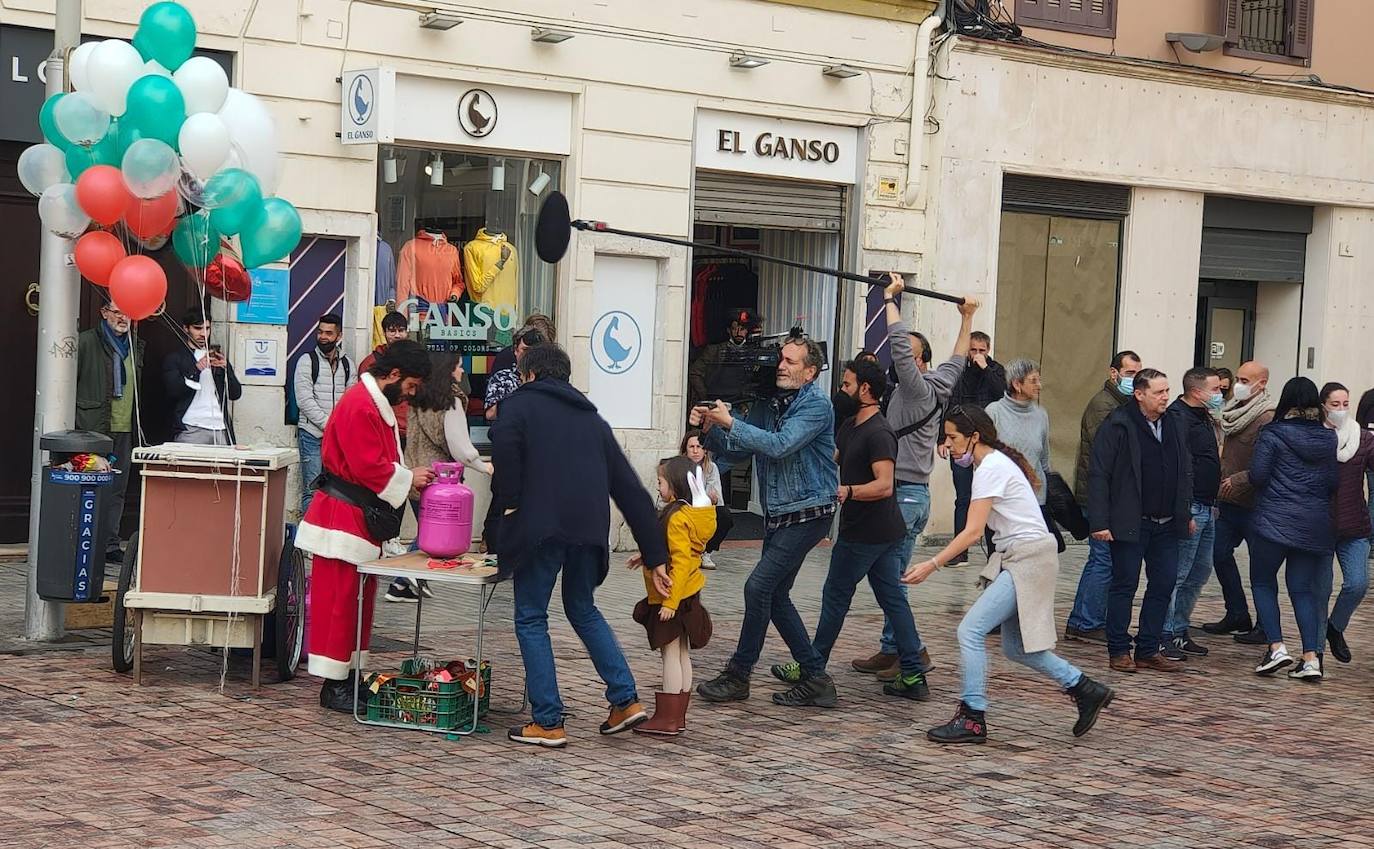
(414, 565)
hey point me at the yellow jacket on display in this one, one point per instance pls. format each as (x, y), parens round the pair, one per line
(492, 270)
(689, 529)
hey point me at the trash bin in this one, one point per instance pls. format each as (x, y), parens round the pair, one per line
(72, 528)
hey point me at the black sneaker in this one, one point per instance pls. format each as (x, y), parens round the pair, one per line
(967, 726)
(1096, 635)
(1273, 661)
(909, 687)
(815, 691)
(1307, 670)
(401, 591)
(1171, 650)
(959, 560)
(1186, 645)
(1340, 649)
(1091, 697)
(728, 686)
(1230, 624)
(114, 555)
(1254, 637)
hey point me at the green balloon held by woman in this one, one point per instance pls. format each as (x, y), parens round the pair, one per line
(166, 34)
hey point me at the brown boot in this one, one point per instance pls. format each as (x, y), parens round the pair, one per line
(686, 703)
(874, 663)
(669, 711)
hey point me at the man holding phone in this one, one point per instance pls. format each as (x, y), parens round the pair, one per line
(201, 383)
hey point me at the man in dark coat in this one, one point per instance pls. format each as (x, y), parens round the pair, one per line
(982, 382)
(200, 412)
(1140, 492)
(557, 468)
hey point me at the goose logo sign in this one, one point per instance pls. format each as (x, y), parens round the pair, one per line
(477, 113)
(361, 99)
(616, 342)
(367, 113)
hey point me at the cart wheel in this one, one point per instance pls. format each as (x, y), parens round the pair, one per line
(122, 646)
(289, 617)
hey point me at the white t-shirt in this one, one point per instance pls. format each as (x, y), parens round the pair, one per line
(204, 411)
(1015, 515)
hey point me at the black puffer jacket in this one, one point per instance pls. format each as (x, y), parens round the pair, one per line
(1295, 472)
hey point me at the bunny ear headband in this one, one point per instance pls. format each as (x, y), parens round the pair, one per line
(696, 481)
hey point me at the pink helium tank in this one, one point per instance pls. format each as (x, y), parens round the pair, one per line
(446, 513)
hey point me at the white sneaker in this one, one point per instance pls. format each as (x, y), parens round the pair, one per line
(1307, 670)
(1274, 660)
(707, 562)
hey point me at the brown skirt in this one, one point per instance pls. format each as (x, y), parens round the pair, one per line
(691, 622)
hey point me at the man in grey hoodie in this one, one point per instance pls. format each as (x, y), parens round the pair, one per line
(319, 380)
(916, 413)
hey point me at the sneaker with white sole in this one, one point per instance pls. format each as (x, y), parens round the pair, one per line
(401, 591)
(1274, 660)
(707, 562)
(534, 734)
(1307, 670)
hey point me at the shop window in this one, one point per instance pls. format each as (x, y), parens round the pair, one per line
(1093, 17)
(1269, 29)
(456, 253)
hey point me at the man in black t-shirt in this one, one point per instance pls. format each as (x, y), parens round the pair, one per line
(870, 539)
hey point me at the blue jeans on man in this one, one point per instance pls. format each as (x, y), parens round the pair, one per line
(1090, 602)
(1157, 546)
(308, 446)
(913, 499)
(534, 580)
(1232, 524)
(768, 598)
(1194, 568)
(881, 563)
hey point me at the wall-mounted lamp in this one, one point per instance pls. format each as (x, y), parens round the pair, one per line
(436, 170)
(746, 62)
(498, 175)
(439, 20)
(1196, 42)
(841, 72)
(540, 183)
(389, 173)
(549, 36)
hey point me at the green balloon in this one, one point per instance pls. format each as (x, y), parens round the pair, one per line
(167, 34)
(195, 239)
(104, 152)
(235, 200)
(49, 126)
(156, 109)
(272, 235)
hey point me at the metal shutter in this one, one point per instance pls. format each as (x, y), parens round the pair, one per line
(1076, 198)
(1253, 255)
(747, 201)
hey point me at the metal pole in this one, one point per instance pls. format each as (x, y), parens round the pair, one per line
(59, 296)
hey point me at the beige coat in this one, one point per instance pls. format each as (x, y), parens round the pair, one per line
(1034, 567)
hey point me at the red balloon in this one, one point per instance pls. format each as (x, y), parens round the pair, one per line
(97, 253)
(138, 285)
(227, 279)
(148, 218)
(101, 192)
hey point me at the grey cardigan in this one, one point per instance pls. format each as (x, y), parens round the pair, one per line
(1025, 427)
(1034, 566)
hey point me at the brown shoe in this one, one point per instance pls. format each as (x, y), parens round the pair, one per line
(1123, 663)
(621, 718)
(1159, 663)
(534, 734)
(670, 711)
(874, 663)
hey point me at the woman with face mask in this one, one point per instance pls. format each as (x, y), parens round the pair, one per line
(1355, 451)
(1019, 579)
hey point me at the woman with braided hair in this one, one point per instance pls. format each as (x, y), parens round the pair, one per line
(1019, 579)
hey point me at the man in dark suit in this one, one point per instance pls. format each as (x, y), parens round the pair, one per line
(200, 383)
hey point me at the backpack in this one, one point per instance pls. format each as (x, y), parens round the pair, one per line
(293, 410)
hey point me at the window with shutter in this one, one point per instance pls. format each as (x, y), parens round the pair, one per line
(1093, 17)
(1268, 29)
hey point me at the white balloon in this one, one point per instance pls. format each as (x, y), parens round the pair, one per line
(42, 166)
(151, 168)
(61, 213)
(252, 129)
(81, 80)
(112, 68)
(204, 143)
(80, 119)
(202, 83)
(152, 68)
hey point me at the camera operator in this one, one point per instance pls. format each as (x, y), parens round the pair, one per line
(702, 375)
(791, 438)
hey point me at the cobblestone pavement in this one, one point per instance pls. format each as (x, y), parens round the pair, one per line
(1214, 757)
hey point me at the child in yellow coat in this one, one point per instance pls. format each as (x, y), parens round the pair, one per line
(678, 621)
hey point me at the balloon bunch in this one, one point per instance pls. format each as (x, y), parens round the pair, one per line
(155, 141)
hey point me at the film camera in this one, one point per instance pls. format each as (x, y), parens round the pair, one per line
(748, 371)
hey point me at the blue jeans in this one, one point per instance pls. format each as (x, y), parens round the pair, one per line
(963, 494)
(768, 598)
(1232, 524)
(1090, 602)
(913, 499)
(851, 562)
(1308, 590)
(1353, 555)
(997, 606)
(1158, 548)
(308, 445)
(1194, 568)
(534, 580)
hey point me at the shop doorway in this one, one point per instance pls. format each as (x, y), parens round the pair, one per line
(1225, 324)
(19, 236)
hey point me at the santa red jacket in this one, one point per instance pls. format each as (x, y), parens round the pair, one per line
(361, 446)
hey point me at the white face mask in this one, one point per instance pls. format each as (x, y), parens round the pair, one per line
(1242, 392)
(1337, 418)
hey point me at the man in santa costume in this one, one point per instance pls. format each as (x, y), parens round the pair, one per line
(361, 454)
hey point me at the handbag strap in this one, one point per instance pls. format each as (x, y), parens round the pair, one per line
(912, 428)
(347, 491)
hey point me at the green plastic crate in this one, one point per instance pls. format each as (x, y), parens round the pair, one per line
(416, 702)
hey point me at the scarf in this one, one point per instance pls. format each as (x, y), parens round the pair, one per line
(1347, 440)
(1236, 416)
(120, 344)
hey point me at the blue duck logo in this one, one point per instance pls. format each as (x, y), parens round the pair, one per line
(360, 100)
(616, 342)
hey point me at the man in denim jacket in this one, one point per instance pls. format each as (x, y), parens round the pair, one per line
(792, 441)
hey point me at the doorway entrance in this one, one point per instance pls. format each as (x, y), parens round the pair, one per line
(1225, 324)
